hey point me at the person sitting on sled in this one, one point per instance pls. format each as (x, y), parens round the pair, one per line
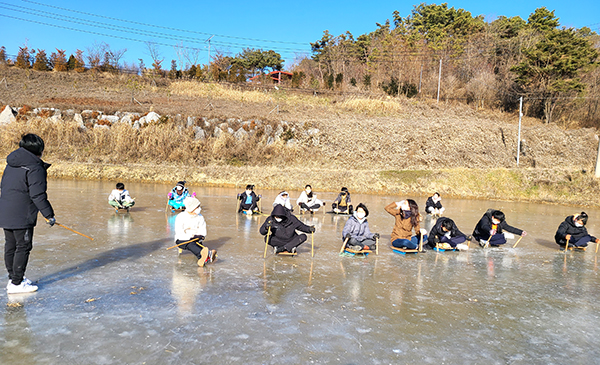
(433, 205)
(490, 229)
(119, 198)
(573, 229)
(280, 228)
(248, 200)
(178, 195)
(283, 199)
(408, 219)
(341, 204)
(356, 231)
(446, 234)
(191, 226)
(308, 200)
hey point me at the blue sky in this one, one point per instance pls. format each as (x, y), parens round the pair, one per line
(286, 27)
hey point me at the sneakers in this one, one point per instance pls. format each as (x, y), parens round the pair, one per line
(203, 257)
(482, 243)
(293, 250)
(445, 246)
(21, 288)
(355, 247)
(25, 280)
(462, 247)
(278, 249)
(212, 256)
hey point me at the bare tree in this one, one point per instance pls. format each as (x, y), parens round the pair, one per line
(157, 58)
(115, 57)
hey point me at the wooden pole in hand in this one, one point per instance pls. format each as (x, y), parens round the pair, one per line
(72, 230)
(344, 244)
(488, 242)
(421, 242)
(267, 242)
(597, 246)
(519, 240)
(567, 245)
(376, 245)
(312, 249)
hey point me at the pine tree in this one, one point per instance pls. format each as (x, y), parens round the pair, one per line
(71, 63)
(23, 58)
(58, 60)
(2, 55)
(79, 63)
(41, 61)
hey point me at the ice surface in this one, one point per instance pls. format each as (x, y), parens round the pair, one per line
(124, 299)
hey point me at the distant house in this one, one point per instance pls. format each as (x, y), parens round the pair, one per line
(276, 76)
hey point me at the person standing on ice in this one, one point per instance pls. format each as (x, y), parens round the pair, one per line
(433, 205)
(573, 230)
(280, 228)
(446, 233)
(408, 219)
(248, 200)
(307, 201)
(490, 229)
(119, 198)
(178, 194)
(22, 196)
(356, 232)
(190, 227)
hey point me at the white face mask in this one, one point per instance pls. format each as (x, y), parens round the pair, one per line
(277, 219)
(360, 215)
(577, 224)
(308, 191)
(495, 221)
(248, 192)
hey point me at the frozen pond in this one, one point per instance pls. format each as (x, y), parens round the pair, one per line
(124, 299)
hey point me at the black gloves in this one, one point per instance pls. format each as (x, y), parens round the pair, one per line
(312, 229)
(51, 221)
(375, 235)
(347, 236)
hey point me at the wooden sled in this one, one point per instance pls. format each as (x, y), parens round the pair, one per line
(118, 210)
(575, 248)
(403, 251)
(342, 214)
(176, 210)
(285, 253)
(359, 253)
(439, 249)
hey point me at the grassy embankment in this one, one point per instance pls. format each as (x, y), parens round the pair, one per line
(168, 152)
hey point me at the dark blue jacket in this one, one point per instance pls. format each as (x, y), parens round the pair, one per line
(23, 191)
(437, 232)
(484, 226)
(568, 227)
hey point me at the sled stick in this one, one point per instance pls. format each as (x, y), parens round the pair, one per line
(487, 244)
(421, 243)
(267, 242)
(519, 240)
(344, 244)
(567, 245)
(312, 249)
(597, 246)
(182, 243)
(72, 230)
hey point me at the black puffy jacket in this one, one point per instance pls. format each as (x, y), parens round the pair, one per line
(437, 232)
(284, 231)
(484, 226)
(568, 227)
(23, 191)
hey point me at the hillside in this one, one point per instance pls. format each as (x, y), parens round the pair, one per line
(390, 145)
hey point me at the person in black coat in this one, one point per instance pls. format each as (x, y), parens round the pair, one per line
(492, 224)
(283, 226)
(248, 200)
(573, 229)
(433, 205)
(22, 195)
(446, 231)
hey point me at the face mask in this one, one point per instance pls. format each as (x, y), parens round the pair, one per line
(406, 213)
(308, 191)
(495, 221)
(360, 215)
(277, 219)
(577, 224)
(248, 192)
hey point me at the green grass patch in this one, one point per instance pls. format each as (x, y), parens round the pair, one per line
(405, 176)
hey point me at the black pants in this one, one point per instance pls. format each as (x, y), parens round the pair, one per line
(252, 206)
(288, 245)
(17, 246)
(195, 246)
(305, 206)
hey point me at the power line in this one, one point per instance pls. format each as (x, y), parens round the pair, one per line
(129, 30)
(162, 27)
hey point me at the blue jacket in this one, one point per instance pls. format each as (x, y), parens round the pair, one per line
(357, 230)
(23, 191)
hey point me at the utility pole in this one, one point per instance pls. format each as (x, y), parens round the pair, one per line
(519, 135)
(420, 78)
(439, 81)
(208, 40)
